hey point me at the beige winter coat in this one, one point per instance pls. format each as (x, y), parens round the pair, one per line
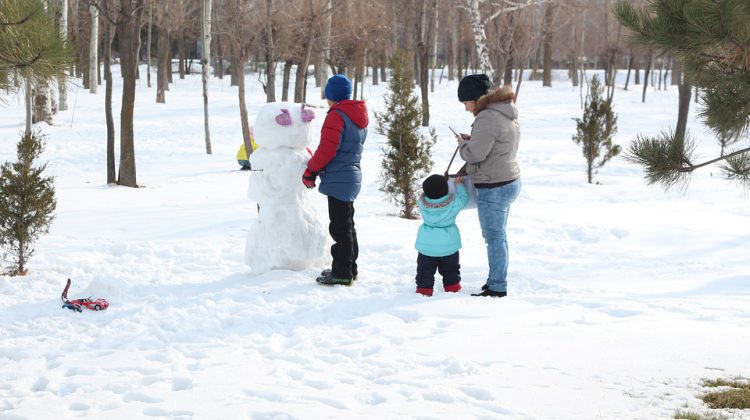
(491, 153)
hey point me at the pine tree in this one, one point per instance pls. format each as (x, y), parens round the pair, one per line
(31, 53)
(406, 157)
(27, 201)
(30, 46)
(711, 38)
(596, 129)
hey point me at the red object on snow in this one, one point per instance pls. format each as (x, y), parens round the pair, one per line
(93, 304)
(77, 304)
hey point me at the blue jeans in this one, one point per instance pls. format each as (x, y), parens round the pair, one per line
(493, 205)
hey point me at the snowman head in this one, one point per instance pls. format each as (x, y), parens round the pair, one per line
(283, 124)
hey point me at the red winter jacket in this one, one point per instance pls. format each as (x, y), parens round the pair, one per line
(333, 126)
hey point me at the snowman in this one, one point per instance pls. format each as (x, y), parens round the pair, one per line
(288, 233)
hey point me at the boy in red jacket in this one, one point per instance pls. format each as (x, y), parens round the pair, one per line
(337, 162)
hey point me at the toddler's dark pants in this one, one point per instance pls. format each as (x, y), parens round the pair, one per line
(447, 266)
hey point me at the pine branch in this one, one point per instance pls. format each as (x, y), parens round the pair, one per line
(721, 158)
(665, 160)
(737, 167)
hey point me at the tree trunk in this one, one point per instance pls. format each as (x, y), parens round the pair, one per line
(29, 106)
(454, 16)
(219, 59)
(676, 72)
(42, 103)
(325, 50)
(685, 90)
(316, 71)
(520, 79)
(362, 74)
(22, 258)
(243, 116)
(508, 76)
(576, 54)
(93, 49)
(645, 75)
(480, 37)
(434, 42)
(111, 177)
(181, 54)
(425, 28)
(285, 81)
(127, 29)
(168, 63)
(547, 72)
(148, 43)
(162, 79)
(661, 72)
(234, 67)
(299, 83)
(630, 67)
(205, 59)
(270, 57)
(82, 46)
(62, 19)
(637, 69)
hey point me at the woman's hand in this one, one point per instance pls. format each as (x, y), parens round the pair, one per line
(459, 179)
(465, 136)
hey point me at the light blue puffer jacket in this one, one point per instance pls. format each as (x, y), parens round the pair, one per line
(438, 236)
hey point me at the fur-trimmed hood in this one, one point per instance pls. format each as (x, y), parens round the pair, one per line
(502, 94)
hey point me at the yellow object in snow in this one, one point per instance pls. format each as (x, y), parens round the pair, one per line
(242, 153)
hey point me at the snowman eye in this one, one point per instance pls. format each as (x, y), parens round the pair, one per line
(284, 118)
(307, 114)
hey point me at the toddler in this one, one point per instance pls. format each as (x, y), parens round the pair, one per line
(438, 238)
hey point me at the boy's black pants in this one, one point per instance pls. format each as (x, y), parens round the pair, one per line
(447, 266)
(345, 249)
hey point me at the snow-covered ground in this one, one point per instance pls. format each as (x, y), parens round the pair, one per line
(622, 297)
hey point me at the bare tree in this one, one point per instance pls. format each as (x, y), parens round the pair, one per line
(127, 31)
(480, 37)
(205, 59)
(270, 57)
(243, 27)
(316, 13)
(93, 48)
(108, 23)
(62, 21)
(163, 50)
(549, 14)
(426, 22)
(148, 41)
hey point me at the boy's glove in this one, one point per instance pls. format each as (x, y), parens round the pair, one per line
(308, 178)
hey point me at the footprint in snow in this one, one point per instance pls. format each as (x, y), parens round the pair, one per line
(140, 397)
(182, 384)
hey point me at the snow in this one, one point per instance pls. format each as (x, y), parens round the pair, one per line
(622, 297)
(282, 131)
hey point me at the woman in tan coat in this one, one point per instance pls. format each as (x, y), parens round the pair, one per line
(490, 155)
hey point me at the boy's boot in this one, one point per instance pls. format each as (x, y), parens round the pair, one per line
(329, 280)
(328, 271)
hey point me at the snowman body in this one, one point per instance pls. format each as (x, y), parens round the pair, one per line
(288, 233)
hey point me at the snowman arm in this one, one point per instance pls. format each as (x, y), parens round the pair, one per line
(330, 136)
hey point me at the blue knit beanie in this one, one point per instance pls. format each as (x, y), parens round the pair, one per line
(338, 88)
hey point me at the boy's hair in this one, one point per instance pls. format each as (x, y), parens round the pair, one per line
(435, 186)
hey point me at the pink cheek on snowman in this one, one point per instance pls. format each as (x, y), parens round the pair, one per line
(284, 118)
(307, 114)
